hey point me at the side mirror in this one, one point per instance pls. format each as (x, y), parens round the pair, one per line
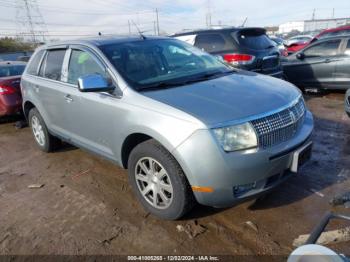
(94, 83)
(300, 56)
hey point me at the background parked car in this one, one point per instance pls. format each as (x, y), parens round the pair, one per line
(10, 92)
(338, 31)
(246, 48)
(323, 64)
(347, 102)
(280, 44)
(297, 43)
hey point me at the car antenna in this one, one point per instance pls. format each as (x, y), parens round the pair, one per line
(138, 30)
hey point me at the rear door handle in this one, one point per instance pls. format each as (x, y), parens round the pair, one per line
(68, 98)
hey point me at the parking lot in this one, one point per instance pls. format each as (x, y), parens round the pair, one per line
(85, 206)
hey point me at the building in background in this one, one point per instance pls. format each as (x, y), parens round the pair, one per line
(315, 25)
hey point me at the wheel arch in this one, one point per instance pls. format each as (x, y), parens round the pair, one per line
(27, 107)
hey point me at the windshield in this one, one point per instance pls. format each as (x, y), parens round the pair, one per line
(149, 63)
(11, 70)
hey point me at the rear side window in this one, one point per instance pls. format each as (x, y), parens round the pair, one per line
(347, 50)
(254, 39)
(11, 70)
(33, 66)
(52, 66)
(81, 64)
(329, 48)
(210, 42)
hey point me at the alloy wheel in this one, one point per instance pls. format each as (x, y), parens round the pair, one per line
(38, 131)
(154, 183)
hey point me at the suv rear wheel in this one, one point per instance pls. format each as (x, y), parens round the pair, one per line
(158, 181)
(44, 140)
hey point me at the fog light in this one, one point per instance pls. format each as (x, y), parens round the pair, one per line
(242, 189)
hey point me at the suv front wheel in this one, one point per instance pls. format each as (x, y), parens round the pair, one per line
(159, 182)
(44, 140)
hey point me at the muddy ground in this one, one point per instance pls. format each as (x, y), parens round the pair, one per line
(87, 207)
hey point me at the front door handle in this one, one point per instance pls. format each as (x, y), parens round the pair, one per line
(68, 98)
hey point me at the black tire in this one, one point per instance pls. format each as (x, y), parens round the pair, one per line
(50, 142)
(182, 197)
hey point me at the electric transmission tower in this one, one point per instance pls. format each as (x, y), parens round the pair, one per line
(30, 24)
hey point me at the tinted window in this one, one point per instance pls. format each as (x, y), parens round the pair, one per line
(210, 42)
(52, 67)
(255, 40)
(145, 64)
(34, 63)
(328, 48)
(347, 50)
(81, 64)
(11, 70)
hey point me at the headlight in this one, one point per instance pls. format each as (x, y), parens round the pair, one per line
(237, 137)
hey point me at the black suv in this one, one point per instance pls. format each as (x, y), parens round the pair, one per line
(246, 48)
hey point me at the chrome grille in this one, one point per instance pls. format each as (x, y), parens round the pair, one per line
(281, 126)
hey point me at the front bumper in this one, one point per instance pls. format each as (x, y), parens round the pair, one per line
(10, 104)
(207, 165)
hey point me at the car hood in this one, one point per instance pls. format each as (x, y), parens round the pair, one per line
(234, 97)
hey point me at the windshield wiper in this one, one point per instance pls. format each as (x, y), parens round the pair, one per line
(209, 76)
(166, 85)
(159, 85)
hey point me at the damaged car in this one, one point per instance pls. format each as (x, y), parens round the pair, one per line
(188, 127)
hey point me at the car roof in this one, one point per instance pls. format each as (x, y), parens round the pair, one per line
(102, 40)
(226, 29)
(14, 63)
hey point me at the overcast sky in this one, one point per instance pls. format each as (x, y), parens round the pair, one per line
(82, 17)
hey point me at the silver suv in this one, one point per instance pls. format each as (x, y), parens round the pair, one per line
(187, 127)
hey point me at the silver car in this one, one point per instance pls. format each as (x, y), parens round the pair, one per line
(347, 102)
(187, 127)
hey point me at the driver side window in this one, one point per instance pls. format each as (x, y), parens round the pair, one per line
(329, 48)
(82, 64)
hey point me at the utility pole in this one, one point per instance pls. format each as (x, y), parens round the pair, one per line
(155, 27)
(208, 15)
(29, 21)
(129, 27)
(333, 12)
(313, 14)
(157, 19)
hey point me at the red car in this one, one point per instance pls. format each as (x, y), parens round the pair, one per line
(338, 31)
(10, 92)
(297, 43)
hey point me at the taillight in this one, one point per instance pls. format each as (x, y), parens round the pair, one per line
(7, 90)
(239, 59)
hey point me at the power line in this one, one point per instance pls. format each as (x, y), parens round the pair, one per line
(30, 22)
(54, 9)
